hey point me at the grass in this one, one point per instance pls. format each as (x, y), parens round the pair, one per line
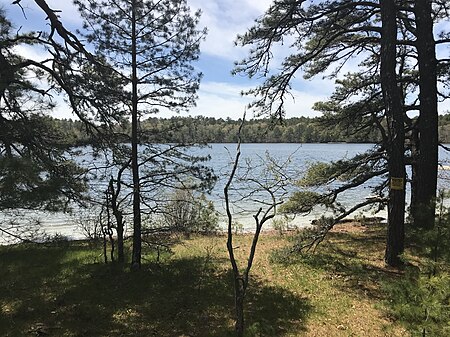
(65, 290)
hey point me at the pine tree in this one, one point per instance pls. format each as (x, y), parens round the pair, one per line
(150, 46)
(36, 171)
(396, 147)
(326, 35)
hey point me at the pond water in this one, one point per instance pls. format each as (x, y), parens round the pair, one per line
(254, 158)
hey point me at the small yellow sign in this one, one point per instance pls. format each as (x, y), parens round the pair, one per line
(397, 184)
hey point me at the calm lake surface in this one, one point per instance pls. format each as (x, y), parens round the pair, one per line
(295, 157)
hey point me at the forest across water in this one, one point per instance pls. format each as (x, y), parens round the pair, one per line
(202, 129)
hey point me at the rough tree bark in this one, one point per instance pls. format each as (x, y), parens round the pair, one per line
(396, 136)
(423, 206)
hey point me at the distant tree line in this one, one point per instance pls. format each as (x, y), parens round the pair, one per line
(212, 130)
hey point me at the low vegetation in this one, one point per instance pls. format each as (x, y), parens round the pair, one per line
(342, 289)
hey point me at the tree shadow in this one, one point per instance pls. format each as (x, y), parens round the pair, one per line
(433, 244)
(410, 295)
(355, 260)
(31, 275)
(274, 311)
(180, 297)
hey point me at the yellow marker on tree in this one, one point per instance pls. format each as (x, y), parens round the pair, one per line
(397, 184)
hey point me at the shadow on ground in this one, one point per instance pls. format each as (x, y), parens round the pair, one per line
(354, 259)
(48, 292)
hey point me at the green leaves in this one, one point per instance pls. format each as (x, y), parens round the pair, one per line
(167, 41)
(28, 183)
(35, 170)
(302, 202)
(318, 174)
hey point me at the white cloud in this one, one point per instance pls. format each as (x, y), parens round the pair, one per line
(32, 52)
(259, 5)
(222, 100)
(219, 100)
(225, 20)
(302, 103)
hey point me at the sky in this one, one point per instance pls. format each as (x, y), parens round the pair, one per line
(220, 92)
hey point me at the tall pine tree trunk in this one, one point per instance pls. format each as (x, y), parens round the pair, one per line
(395, 148)
(423, 207)
(137, 240)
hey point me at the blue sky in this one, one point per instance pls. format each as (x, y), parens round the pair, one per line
(219, 94)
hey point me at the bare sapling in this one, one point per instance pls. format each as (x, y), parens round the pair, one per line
(273, 187)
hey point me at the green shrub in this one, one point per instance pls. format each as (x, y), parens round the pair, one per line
(421, 299)
(421, 303)
(190, 212)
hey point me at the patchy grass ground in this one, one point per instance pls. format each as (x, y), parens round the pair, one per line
(65, 290)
